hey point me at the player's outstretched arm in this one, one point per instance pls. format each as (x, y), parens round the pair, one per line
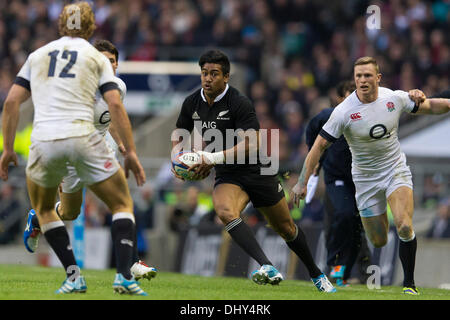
(434, 106)
(120, 120)
(115, 135)
(312, 159)
(10, 119)
(428, 106)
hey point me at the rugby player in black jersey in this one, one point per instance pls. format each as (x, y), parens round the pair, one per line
(220, 107)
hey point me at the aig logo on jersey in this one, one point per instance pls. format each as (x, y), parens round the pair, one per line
(390, 106)
(355, 116)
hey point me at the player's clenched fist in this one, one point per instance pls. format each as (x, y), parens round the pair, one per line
(417, 96)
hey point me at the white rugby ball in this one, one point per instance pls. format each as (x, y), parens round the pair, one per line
(182, 161)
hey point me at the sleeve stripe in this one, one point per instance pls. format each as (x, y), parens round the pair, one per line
(416, 107)
(108, 86)
(327, 136)
(23, 82)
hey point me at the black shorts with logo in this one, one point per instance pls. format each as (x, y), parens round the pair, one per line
(263, 190)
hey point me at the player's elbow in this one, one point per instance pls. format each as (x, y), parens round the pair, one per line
(11, 104)
(114, 105)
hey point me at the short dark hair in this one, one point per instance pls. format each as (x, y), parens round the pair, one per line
(215, 56)
(105, 45)
(345, 86)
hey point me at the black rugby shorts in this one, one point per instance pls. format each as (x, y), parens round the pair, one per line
(263, 191)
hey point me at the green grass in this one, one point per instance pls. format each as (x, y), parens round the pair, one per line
(19, 282)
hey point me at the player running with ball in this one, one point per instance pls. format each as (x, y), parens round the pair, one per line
(221, 107)
(369, 118)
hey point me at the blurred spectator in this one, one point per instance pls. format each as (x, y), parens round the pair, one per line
(294, 51)
(440, 227)
(10, 218)
(433, 190)
(144, 203)
(188, 210)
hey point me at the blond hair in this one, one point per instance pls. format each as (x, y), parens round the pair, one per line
(77, 20)
(367, 60)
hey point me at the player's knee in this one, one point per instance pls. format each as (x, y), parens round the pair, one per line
(225, 213)
(404, 231)
(67, 214)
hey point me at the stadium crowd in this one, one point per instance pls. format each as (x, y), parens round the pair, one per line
(296, 51)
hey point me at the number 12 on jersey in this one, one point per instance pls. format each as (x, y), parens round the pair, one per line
(65, 55)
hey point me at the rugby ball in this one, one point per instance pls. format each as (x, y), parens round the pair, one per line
(182, 161)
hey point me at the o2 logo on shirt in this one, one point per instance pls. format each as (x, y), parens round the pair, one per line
(378, 131)
(104, 118)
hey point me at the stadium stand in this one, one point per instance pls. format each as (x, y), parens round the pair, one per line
(294, 52)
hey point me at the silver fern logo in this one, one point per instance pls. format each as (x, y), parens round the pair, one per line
(221, 114)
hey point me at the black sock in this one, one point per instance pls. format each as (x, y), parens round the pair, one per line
(301, 249)
(407, 252)
(59, 240)
(122, 231)
(244, 237)
(135, 246)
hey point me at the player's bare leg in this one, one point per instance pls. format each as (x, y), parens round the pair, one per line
(229, 201)
(280, 220)
(69, 205)
(115, 194)
(401, 202)
(43, 200)
(376, 228)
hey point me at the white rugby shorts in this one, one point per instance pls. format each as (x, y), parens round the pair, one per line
(89, 156)
(372, 190)
(72, 182)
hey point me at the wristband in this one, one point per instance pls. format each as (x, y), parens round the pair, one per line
(213, 157)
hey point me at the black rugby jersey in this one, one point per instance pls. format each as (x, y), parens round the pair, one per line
(337, 159)
(230, 110)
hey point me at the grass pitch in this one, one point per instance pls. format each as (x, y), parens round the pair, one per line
(19, 282)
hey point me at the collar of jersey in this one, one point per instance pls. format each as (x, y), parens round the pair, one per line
(73, 38)
(220, 96)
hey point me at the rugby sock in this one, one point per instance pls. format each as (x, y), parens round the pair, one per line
(301, 249)
(407, 252)
(57, 237)
(122, 231)
(244, 237)
(135, 246)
